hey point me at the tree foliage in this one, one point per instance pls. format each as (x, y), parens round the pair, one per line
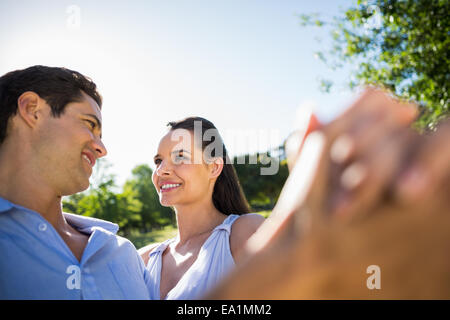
(261, 191)
(401, 45)
(101, 201)
(153, 214)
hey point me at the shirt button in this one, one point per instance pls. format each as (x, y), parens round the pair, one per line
(42, 227)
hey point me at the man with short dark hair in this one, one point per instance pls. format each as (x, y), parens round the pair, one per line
(50, 138)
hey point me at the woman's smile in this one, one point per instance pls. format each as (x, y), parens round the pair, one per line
(166, 187)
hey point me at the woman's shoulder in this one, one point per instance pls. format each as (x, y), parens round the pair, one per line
(247, 223)
(242, 229)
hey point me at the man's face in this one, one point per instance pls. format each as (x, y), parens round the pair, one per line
(68, 146)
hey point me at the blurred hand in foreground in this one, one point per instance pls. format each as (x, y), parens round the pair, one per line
(364, 190)
(342, 167)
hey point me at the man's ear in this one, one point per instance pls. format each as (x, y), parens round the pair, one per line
(216, 167)
(29, 107)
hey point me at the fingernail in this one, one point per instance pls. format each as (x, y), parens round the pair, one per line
(353, 176)
(341, 149)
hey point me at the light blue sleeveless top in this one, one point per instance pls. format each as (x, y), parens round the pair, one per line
(214, 261)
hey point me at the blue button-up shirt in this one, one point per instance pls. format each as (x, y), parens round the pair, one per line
(35, 263)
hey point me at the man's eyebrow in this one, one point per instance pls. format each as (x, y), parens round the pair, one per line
(99, 123)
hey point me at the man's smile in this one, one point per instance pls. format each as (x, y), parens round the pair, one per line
(89, 157)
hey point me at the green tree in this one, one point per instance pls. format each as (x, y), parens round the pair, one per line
(261, 191)
(152, 213)
(401, 45)
(100, 201)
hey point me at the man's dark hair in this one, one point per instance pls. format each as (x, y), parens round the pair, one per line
(57, 86)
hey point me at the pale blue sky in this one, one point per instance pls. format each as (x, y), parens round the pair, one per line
(244, 65)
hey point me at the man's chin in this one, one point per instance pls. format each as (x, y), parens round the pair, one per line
(75, 188)
(84, 185)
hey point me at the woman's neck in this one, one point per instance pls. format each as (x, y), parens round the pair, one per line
(196, 219)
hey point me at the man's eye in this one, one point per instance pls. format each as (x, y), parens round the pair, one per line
(91, 123)
(157, 161)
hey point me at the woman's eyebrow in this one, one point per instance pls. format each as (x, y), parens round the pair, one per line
(173, 152)
(180, 150)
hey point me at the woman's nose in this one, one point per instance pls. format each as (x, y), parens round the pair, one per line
(164, 168)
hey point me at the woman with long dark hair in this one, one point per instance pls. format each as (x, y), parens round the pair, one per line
(195, 176)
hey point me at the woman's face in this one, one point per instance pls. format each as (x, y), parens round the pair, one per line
(181, 176)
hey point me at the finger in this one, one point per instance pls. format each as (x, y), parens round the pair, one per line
(429, 168)
(294, 142)
(371, 104)
(359, 138)
(295, 191)
(370, 120)
(364, 183)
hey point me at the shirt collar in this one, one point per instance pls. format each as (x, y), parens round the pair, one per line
(87, 224)
(82, 223)
(5, 205)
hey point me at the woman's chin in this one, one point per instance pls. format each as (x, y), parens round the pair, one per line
(166, 202)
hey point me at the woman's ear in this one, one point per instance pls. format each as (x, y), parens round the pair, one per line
(29, 107)
(216, 167)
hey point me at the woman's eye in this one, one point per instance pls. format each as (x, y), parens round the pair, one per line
(179, 158)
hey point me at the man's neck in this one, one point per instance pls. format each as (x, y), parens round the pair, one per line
(22, 186)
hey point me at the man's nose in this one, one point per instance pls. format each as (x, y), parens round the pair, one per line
(99, 148)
